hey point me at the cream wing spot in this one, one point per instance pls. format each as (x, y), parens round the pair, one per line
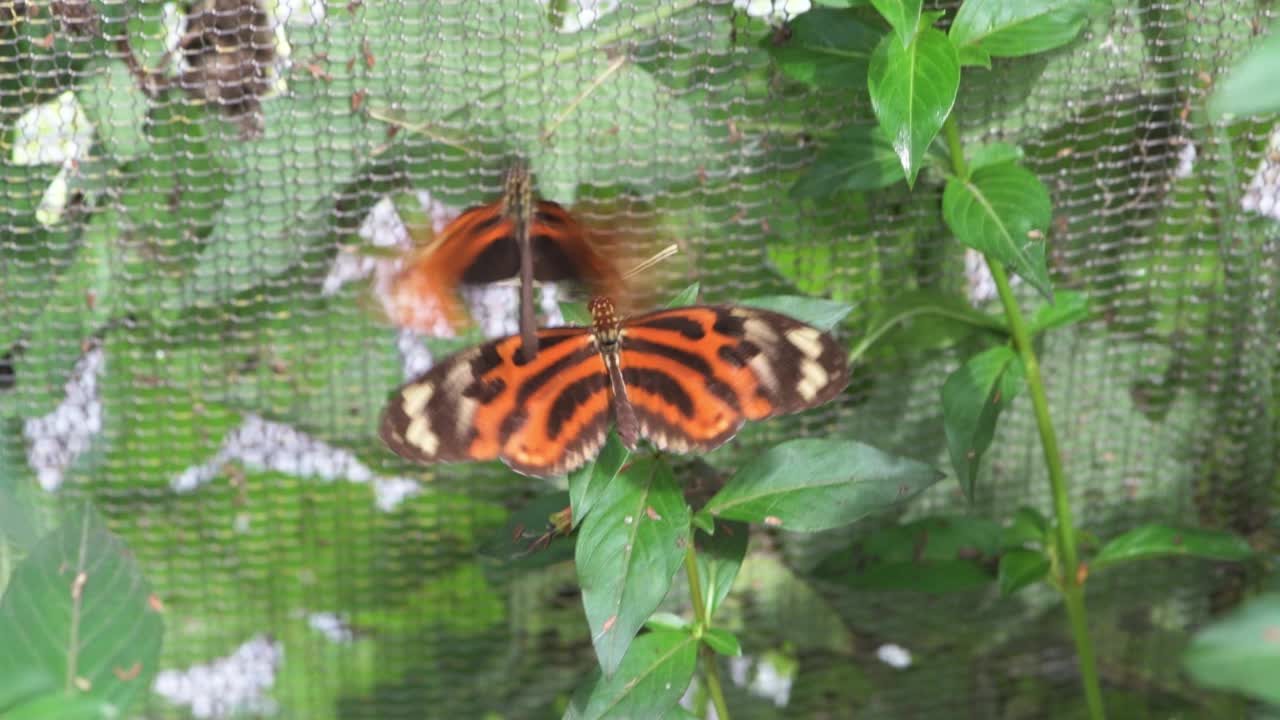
(812, 379)
(807, 340)
(419, 435)
(414, 398)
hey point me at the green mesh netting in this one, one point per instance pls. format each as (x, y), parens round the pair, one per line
(202, 200)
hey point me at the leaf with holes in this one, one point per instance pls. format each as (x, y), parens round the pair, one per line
(913, 89)
(972, 399)
(810, 485)
(1003, 211)
(628, 549)
(78, 610)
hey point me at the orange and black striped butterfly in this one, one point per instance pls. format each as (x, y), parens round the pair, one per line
(515, 236)
(684, 378)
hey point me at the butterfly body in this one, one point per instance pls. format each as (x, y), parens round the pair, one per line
(685, 379)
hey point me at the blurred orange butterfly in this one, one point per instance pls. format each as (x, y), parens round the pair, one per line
(516, 236)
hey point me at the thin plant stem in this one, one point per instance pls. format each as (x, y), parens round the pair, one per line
(711, 668)
(1068, 567)
(1067, 561)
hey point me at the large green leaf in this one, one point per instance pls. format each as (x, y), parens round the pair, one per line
(1153, 541)
(78, 610)
(1020, 568)
(1240, 652)
(649, 682)
(1250, 87)
(812, 484)
(629, 548)
(998, 28)
(912, 91)
(859, 158)
(587, 484)
(826, 48)
(972, 399)
(1003, 211)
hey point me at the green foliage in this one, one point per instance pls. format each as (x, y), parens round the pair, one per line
(972, 399)
(1003, 211)
(1240, 652)
(1250, 88)
(628, 550)
(81, 628)
(913, 89)
(811, 485)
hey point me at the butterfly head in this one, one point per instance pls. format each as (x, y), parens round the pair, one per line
(604, 319)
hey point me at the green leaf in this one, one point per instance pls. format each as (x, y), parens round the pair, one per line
(926, 576)
(972, 399)
(820, 313)
(587, 484)
(1028, 526)
(78, 609)
(719, 559)
(929, 320)
(1003, 211)
(575, 313)
(628, 549)
(1240, 652)
(814, 484)
(902, 15)
(722, 641)
(63, 707)
(650, 680)
(1250, 87)
(1020, 568)
(784, 604)
(25, 686)
(1068, 307)
(859, 158)
(670, 622)
(912, 92)
(518, 543)
(932, 554)
(1155, 541)
(826, 48)
(996, 153)
(999, 28)
(687, 296)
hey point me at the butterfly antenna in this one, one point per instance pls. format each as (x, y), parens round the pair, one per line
(649, 262)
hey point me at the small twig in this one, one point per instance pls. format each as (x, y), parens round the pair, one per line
(564, 114)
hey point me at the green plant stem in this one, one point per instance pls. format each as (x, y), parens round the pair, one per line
(1072, 590)
(711, 668)
(1067, 560)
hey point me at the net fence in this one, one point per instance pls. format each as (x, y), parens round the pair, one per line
(202, 203)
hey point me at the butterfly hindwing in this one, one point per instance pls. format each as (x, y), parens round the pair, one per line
(695, 374)
(541, 417)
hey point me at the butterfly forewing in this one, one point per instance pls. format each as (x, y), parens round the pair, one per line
(542, 417)
(696, 374)
(686, 379)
